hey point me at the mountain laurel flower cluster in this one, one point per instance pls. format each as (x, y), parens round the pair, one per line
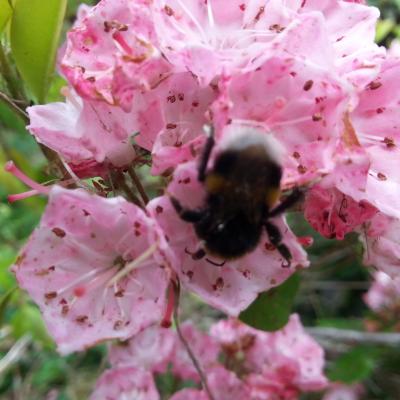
(240, 362)
(146, 78)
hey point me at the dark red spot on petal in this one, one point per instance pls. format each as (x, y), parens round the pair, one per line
(389, 142)
(64, 309)
(219, 284)
(302, 169)
(171, 99)
(50, 295)
(382, 177)
(59, 232)
(317, 117)
(118, 325)
(308, 85)
(374, 85)
(81, 319)
(169, 11)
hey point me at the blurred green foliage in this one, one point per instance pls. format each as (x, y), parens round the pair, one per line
(330, 292)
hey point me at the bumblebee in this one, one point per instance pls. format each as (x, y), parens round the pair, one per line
(242, 190)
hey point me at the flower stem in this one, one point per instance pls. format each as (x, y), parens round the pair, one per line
(138, 184)
(19, 111)
(185, 343)
(120, 183)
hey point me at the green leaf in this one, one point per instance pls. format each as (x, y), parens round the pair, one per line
(4, 301)
(5, 13)
(27, 319)
(35, 31)
(271, 310)
(52, 372)
(383, 28)
(354, 366)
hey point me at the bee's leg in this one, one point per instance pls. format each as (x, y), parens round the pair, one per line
(205, 156)
(275, 238)
(201, 253)
(288, 202)
(221, 264)
(186, 214)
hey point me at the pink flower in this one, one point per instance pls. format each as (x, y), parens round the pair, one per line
(233, 286)
(381, 243)
(150, 349)
(375, 122)
(84, 132)
(190, 394)
(283, 363)
(124, 46)
(98, 269)
(125, 383)
(204, 347)
(182, 105)
(111, 53)
(333, 214)
(344, 392)
(233, 36)
(233, 335)
(224, 385)
(384, 292)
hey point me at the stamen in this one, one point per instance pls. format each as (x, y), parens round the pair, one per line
(211, 22)
(290, 122)
(169, 312)
(21, 196)
(82, 278)
(124, 46)
(119, 303)
(74, 178)
(197, 24)
(254, 35)
(132, 265)
(12, 169)
(210, 14)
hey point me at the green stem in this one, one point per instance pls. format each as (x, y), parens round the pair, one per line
(14, 107)
(185, 343)
(138, 184)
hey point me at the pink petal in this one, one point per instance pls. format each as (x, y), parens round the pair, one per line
(69, 262)
(125, 383)
(384, 292)
(82, 131)
(333, 214)
(203, 346)
(150, 349)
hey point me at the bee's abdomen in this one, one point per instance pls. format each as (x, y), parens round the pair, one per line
(231, 238)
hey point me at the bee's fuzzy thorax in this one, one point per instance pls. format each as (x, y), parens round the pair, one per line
(240, 137)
